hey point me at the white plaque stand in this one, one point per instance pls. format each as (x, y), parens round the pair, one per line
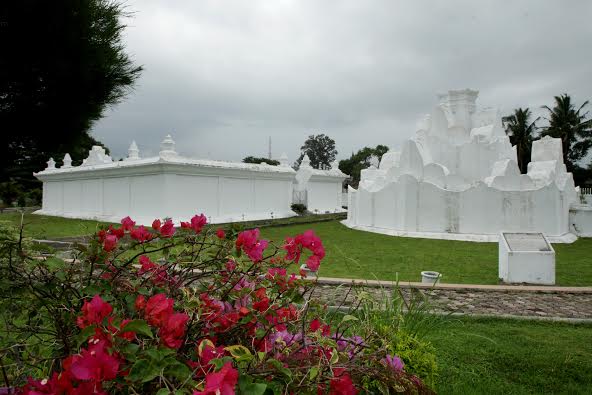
(526, 258)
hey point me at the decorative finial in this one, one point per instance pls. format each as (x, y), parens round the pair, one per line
(167, 147)
(133, 153)
(50, 164)
(284, 160)
(335, 165)
(305, 161)
(67, 161)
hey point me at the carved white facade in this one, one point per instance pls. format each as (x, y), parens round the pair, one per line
(170, 185)
(458, 179)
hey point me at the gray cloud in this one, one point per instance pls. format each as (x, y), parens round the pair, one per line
(222, 76)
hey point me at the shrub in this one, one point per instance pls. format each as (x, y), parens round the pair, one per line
(299, 208)
(195, 310)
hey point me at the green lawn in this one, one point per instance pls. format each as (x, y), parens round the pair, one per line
(46, 227)
(494, 356)
(357, 254)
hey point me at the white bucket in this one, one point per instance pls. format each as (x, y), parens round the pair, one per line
(428, 277)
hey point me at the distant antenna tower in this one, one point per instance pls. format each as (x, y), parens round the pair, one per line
(269, 149)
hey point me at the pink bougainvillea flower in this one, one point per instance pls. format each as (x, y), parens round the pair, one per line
(173, 330)
(394, 362)
(158, 309)
(94, 364)
(141, 234)
(222, 382)
(117, 232)
(293, 249)
(127, 224)
(220, 233)
(110, 243)
(341, 383)
(313, 263)
(249, 241)
(168, 229)
(207, 352)
(315, 325)
(57, 384)
(156, 224)
(198, 222)
(146, 265)
(94, 312)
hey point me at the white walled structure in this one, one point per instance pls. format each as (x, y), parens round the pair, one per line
(322, 188)
(165, 186)
(526, 258)
(458, 179)
(170, 185)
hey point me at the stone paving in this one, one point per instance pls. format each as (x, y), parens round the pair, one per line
(562, 303)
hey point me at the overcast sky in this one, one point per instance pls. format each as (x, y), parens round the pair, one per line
(223, 76)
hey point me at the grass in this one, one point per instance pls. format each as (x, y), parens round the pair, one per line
(495, 356)
(357, 254)
(47, 227)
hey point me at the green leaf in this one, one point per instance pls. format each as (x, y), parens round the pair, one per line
(85, 334)
(140, 327)
(246, 386)
(280, 367)
(143, 371)
(314, 371)
(54, 264)
(178, 370)
(349, 317)
(163, 391)
(334, 357)
(219, 362)
(240, 353)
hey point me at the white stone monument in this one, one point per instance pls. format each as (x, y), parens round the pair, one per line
(458, 179)
(526, 258)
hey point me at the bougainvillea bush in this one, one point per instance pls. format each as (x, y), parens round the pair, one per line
(188, 310)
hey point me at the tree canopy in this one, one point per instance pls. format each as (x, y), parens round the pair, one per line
(521, 132)
(361, 160)
(63, 64)
(572, 126)
(254, 159)
(320, 150)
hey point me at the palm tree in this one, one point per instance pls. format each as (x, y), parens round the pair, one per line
(521, 133)
(572, 127)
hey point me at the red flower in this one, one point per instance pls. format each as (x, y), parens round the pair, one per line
(341, 383)
(146, 265)
(127, 224)
(251, 245)
(198, 222)
(156, 224)
(141, 234)
(315, 325)
(222, 382)
(117, 232)
(110, 243)
(185, 225)
(173, 330)
(220, 233)
(127, 335)
(94, 364)
(208, 352)
(94, 312)
(313, 263)
(168, 229)
(158, 309)
(140, 303)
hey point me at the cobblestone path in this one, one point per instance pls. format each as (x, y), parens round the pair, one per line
(573, 303)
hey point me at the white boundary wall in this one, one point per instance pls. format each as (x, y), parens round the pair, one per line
(176, 187)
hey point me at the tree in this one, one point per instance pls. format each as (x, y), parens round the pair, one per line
(361, 160)
(253, 159)
(572, 127)
(521, 132)
(320, 150)
(63, 64)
